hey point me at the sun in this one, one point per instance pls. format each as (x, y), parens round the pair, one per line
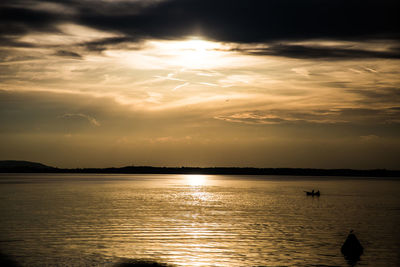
(197, 45)
(196, 53)
(189, 53)
(196, 179)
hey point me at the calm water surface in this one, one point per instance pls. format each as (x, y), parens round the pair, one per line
(183, 220)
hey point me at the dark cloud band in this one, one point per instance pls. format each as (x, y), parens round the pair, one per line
(319, 52)
(247, 21)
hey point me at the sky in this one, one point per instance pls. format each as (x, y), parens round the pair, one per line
(255, 83)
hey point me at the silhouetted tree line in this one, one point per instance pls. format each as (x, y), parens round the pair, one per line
(31, 167)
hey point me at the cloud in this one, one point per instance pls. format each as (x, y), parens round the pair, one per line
(180, 86)
(103, 43)
(377, 95)
(315, 116)
(252, 117)
(35, 112)
(65, 53)
(318, 52)
(369, 138)
(265, 117)
(90, 119)
(20, 20)
(252, 21)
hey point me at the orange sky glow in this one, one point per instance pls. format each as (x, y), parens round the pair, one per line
(195, 100)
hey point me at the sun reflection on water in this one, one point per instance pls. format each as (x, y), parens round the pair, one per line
(196, 179)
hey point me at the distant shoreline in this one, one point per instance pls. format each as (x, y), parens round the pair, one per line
(10, 166)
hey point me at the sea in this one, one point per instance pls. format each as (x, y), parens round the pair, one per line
(197, 220)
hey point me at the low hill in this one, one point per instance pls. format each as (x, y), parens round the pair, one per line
(22, 166)
(15, 166)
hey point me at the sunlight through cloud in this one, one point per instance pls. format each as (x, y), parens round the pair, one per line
(193, 53)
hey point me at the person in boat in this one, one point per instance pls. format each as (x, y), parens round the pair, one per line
(312, 192)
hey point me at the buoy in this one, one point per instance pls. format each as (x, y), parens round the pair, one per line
(352, 248)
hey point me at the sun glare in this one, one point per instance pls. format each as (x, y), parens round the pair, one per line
(197, 53)
(196, 179)
(190, 53)
(197, 45)
(186, 54)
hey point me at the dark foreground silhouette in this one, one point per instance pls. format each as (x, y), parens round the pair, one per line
(312, 193)
(140, 263)
(13, 166)
(352, 249)
(6, 261)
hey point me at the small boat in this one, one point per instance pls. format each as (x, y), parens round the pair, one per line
(317, 194)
